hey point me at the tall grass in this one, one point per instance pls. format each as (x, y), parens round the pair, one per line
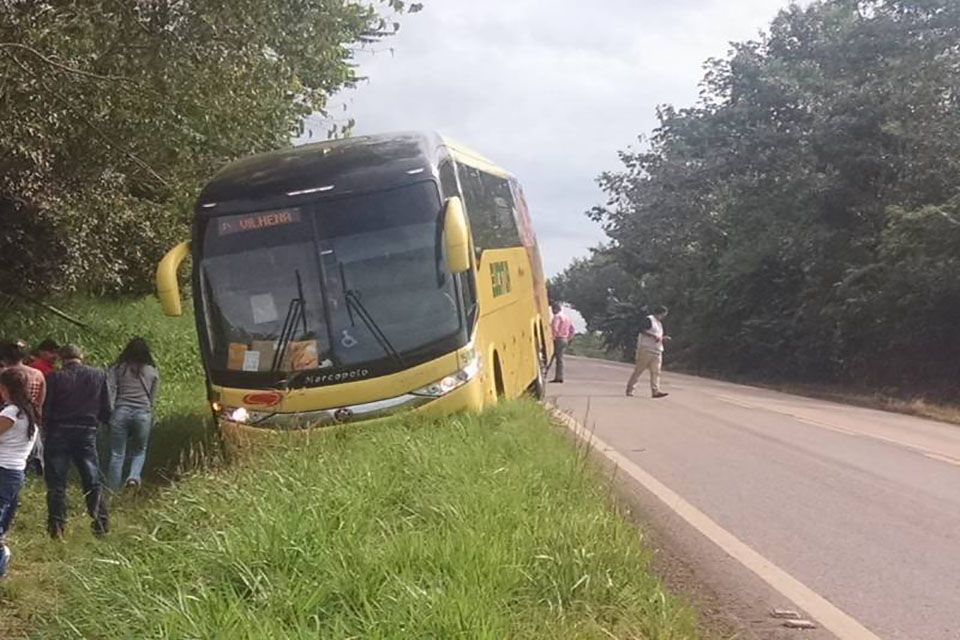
(487, 526)
(182, 436)
(474, 526)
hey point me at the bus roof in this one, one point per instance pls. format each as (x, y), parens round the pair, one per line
(333, 167)
(465, 154)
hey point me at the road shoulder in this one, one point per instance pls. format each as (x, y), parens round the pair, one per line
(732, 600)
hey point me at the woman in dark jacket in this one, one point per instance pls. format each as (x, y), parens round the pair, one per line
(133, 381)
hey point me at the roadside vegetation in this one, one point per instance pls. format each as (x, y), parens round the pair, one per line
(485, 526)
(181, 441)
(473, 526)
(802, 219)
(115, 114)
(591, 345)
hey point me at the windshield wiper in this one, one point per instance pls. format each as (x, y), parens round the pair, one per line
(354, 305)
(354, 300)
(296, 313)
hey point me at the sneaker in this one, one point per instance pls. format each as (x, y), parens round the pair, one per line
(56, 533)
(555, 381)
(660, 394)
(4, 559)
(629, 394)
(133, 483)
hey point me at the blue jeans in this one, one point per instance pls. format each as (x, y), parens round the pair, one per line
(10, 482)
(129, 427)
(76, 444)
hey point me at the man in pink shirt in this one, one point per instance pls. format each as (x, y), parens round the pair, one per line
(562, 330)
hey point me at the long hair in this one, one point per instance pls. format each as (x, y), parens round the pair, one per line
(15, 382)
(135, 355)
(13, 352)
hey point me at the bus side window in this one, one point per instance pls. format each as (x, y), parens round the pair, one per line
(489, 204)
(502, 220)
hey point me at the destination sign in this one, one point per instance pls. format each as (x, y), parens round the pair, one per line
(254, 221)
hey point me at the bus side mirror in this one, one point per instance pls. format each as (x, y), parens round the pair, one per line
(168, 290)
(456, 238)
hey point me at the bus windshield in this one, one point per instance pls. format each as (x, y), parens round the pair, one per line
(329, 285)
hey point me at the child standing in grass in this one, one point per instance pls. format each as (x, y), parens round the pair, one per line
(18, 431)
(133, 381)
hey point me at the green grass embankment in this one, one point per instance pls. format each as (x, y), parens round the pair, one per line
(181, 439)
(486, 526)
(489, 526)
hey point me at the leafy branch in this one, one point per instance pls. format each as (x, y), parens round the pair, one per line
(59, 65)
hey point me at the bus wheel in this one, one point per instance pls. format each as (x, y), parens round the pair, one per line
(498, 378)
(538, 388)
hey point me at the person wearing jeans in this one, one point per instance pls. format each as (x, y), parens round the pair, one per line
(18, 432)
(10, 482)
(133, 382)
(129, 433)
(75, 444)
(77, 402)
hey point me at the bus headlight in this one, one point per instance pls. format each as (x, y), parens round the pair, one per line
(233, 414)
(446, 384)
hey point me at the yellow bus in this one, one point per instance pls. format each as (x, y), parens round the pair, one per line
(351, 279)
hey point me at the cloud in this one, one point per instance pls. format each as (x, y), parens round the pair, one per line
(551, 91)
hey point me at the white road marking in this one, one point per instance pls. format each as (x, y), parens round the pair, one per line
(947, 459)
(850, 432)
(828, 426)
(832, 618)
(810, 421)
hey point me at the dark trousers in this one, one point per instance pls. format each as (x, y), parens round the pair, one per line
(559, 346)
(10, 482)
(78, 445)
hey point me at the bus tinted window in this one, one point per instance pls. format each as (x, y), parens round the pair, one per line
(490, 209)
(339, 283)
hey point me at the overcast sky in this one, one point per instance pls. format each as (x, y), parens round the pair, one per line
(549, 90)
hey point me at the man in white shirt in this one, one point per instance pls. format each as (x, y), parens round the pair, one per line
(650, 352)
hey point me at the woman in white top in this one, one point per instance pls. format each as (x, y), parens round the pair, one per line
(18, 432)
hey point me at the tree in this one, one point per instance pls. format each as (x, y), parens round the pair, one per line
(114, 113)
(609, 299)
(799, 220)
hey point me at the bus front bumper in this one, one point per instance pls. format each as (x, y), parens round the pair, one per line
(469, 396)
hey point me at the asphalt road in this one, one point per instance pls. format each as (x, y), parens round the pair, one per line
(860, 506)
